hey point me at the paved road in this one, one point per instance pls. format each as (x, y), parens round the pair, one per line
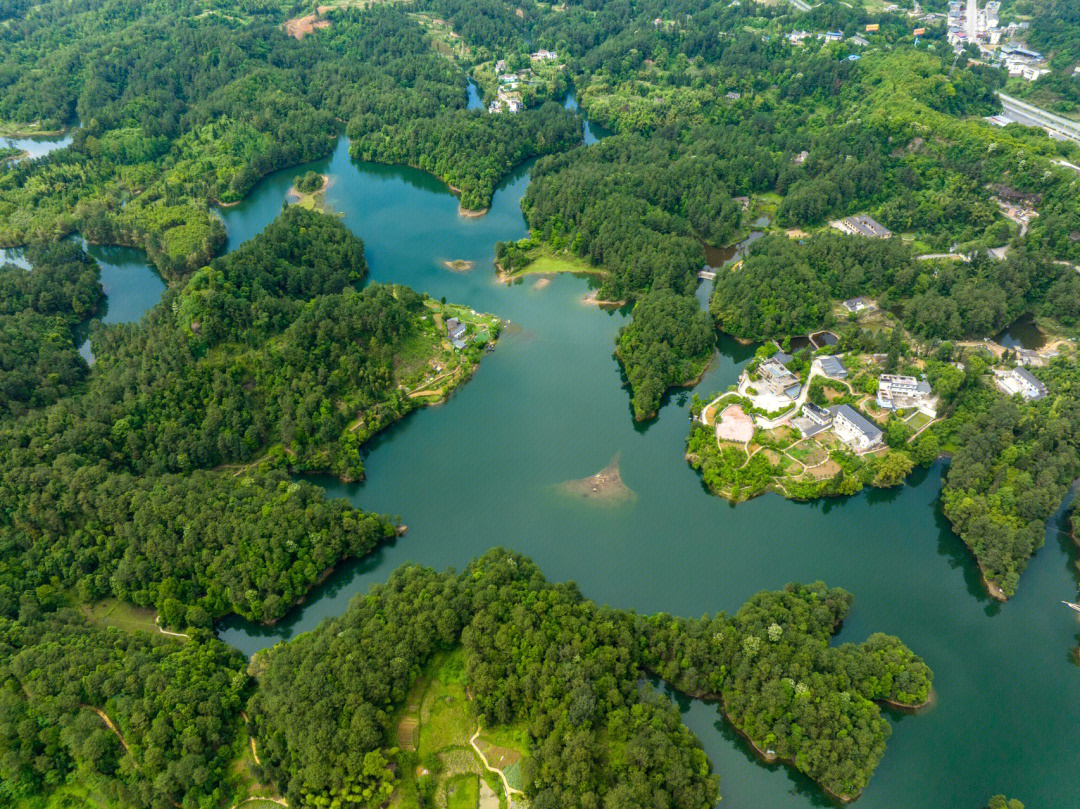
(1030, 115)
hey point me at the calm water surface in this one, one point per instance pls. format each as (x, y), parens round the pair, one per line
(1022, 333)
(37, 147)
(549, 406)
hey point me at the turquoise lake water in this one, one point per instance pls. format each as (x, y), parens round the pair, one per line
(549, 405)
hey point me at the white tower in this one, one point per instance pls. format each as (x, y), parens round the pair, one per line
(972, 19)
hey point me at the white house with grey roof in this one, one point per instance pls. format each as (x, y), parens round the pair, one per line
(854, 429)
(1022, 381)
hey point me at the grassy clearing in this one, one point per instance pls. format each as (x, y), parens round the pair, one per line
(919, 420)
(446, 719)
(433, 730)
(463, 792)
(125, 617)
(562, 262)
(69, 796)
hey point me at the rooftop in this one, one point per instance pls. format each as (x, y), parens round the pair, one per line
(860, 422)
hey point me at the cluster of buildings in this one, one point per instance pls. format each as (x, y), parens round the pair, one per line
(861, 225)
(969, 24)
(799, 37)
(508, 96)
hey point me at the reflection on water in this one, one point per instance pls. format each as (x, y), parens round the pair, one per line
(38, 147)
(719, 256)
(475, 101)
(1023, 333)
(14, 255)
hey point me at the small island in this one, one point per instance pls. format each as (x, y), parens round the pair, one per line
(606, 487)
(309, 191)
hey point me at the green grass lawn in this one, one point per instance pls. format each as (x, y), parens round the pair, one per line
(562, 262)
(112, 612)
(463, 792)
(69, 796)
(919, 420)
(446, 719)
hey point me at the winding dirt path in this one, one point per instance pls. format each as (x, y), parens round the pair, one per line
(157, 623)
(510, 791)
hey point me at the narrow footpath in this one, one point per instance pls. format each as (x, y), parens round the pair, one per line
(510, 791)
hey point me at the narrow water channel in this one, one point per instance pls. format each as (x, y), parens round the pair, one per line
(549, 405)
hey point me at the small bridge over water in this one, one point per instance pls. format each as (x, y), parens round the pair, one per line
(707, 275)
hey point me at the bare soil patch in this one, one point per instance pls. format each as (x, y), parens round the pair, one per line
(300, 27)
(605, 487)
(735, 425)
(459, 265)
(825, 470)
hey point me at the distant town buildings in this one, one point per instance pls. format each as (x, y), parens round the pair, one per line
(543, 55)
(834, 36)
(970, 25)
(862, 225)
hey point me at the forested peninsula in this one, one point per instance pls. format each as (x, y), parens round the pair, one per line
(266, 360)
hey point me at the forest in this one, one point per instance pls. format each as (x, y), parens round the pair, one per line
(163, 479)
(160, 479)
(786, 287)
(1012, 469)
(540, 656)
(39, 309)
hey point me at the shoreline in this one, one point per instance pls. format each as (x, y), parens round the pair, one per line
(300, 197)
(43, 133)
(690, 383)
(12, 158)
(930, 702)
(992, 589)
(469, 213)
(711, 698)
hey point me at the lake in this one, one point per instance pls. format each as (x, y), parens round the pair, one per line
(1022, 333)
(130, 283)
(549, 405)
(38, 146)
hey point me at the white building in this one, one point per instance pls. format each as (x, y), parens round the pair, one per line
(542, 55)
(854, 429)
(1022, 381)
(901, 392)
(1034, 72)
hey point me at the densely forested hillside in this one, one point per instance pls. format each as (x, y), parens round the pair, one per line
(539, 656)
(152, 481)
(39, 361)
